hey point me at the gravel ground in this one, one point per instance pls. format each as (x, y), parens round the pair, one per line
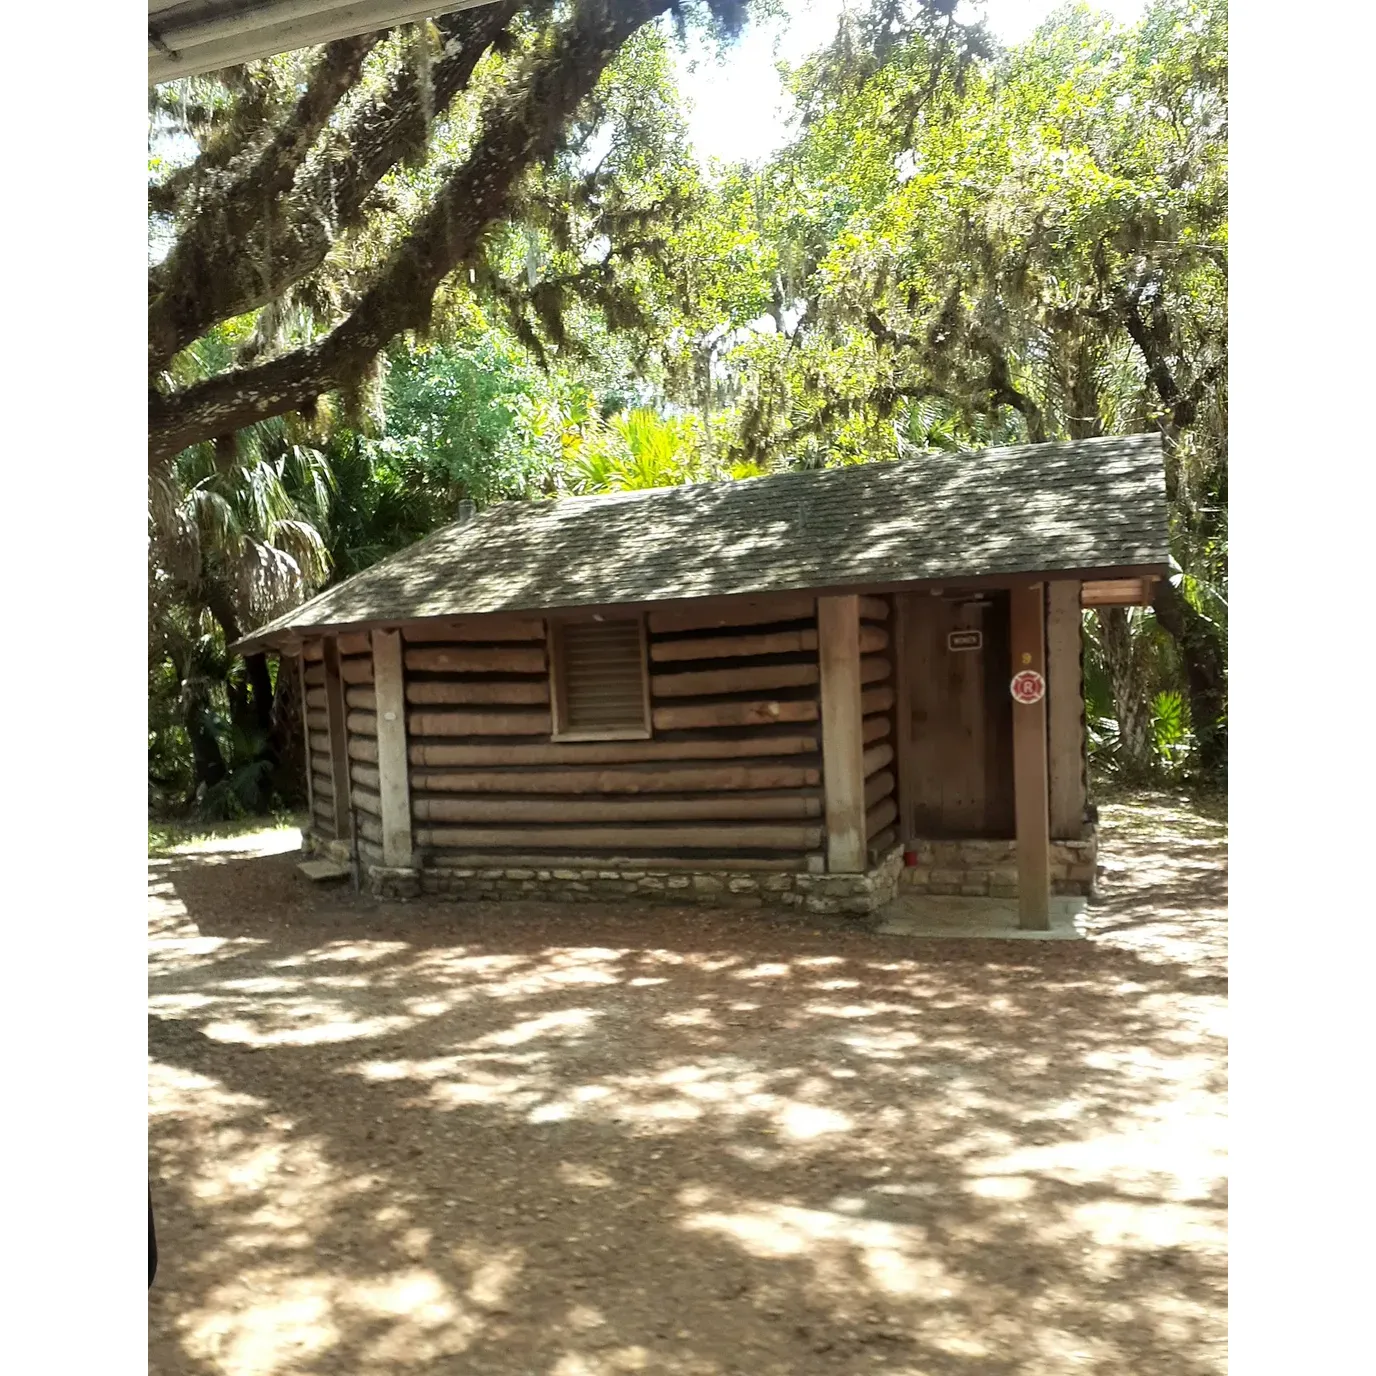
(574, 1141)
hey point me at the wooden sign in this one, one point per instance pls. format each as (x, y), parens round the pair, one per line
(965, 640)
(1027, 687)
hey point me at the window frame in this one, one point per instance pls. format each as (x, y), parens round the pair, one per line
(558, 701)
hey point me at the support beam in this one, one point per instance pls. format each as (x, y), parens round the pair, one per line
(843, 748)
(394, 787)
(1031, 808)
(1065, 709)
(339, 741)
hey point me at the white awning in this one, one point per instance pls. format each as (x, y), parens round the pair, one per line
(187, 37)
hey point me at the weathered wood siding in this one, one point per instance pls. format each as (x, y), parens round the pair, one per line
(731, 775)
(878, 702)
(360, 723)
(954, 725)
(318, 755)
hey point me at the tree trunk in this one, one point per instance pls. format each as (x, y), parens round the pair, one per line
(1206, 676)
(1129, 695)
(260, 681)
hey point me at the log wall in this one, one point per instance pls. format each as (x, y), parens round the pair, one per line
(731, 776)
(360, 723)
(878, 703)
(318, 759)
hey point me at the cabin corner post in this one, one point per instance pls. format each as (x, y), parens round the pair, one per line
(339, 741)
(1031, 792)
(843, 748)
(1065, 709)
(394, 786)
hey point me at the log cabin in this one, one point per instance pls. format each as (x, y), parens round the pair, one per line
(801, 689)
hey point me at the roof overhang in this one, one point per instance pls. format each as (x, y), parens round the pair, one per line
(1131, 585)
(189, 37)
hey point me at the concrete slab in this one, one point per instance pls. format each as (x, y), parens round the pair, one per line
(948, 918)
(323, 869)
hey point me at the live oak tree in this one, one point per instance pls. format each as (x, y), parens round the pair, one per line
(293, 169)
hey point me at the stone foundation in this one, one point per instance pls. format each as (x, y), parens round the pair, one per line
(796, 890)
(981, 869)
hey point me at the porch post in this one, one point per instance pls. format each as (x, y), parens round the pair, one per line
(339, 741)
(843, 745)
(1031, 808)
(1065, 709)
(394, 787)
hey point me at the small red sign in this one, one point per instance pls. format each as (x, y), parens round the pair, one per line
(1028, 686)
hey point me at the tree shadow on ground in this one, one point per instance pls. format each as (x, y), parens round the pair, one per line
(583, 1140)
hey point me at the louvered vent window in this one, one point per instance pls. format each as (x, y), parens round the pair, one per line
(600, 689)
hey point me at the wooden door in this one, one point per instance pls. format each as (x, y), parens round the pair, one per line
(954, 716)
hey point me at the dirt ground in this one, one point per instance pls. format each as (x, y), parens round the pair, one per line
(573, 1141)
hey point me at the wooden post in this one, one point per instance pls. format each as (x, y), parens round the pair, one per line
(394, 786)
(1065, 709)
(339, 741)
(843, 746)
(1027, 616)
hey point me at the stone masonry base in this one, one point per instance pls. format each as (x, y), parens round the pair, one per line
(806, 892)
(990, 868)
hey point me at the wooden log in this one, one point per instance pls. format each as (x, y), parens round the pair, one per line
(874, 669)
(365, 800)
(873, 639)
(726, 837)
(321, 786)
(881, 844)
(339, 737)
(477, 659)
(320, 742)
(838, 627)
(370, 828)
(369, 852)
(711, 614)
(878, 786)
(609, 752)
(365, 699)
(315, 676)
(365, 774)
(495, 627)
(729, 646)
(879, 816)
(517, 692)
(874, 608)
(318, 721)
(305, 729)
(1065, 709)
(478, 723)
(734, 864)
(874, 729)
(315, 697)
(697, 715)
(1027, 618)
(313, 650)
(356, 670)
(876, 700)
(355, 643)
(713, 807)
(322, 813)
(394, 806)
(320, 761)
(363, 748)
(362, 723)
(749, 678)
(654, 778)
(876, 757)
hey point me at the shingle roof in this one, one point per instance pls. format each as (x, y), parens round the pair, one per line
(1084, 506)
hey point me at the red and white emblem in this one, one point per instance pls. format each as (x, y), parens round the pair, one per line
(1027, 687)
